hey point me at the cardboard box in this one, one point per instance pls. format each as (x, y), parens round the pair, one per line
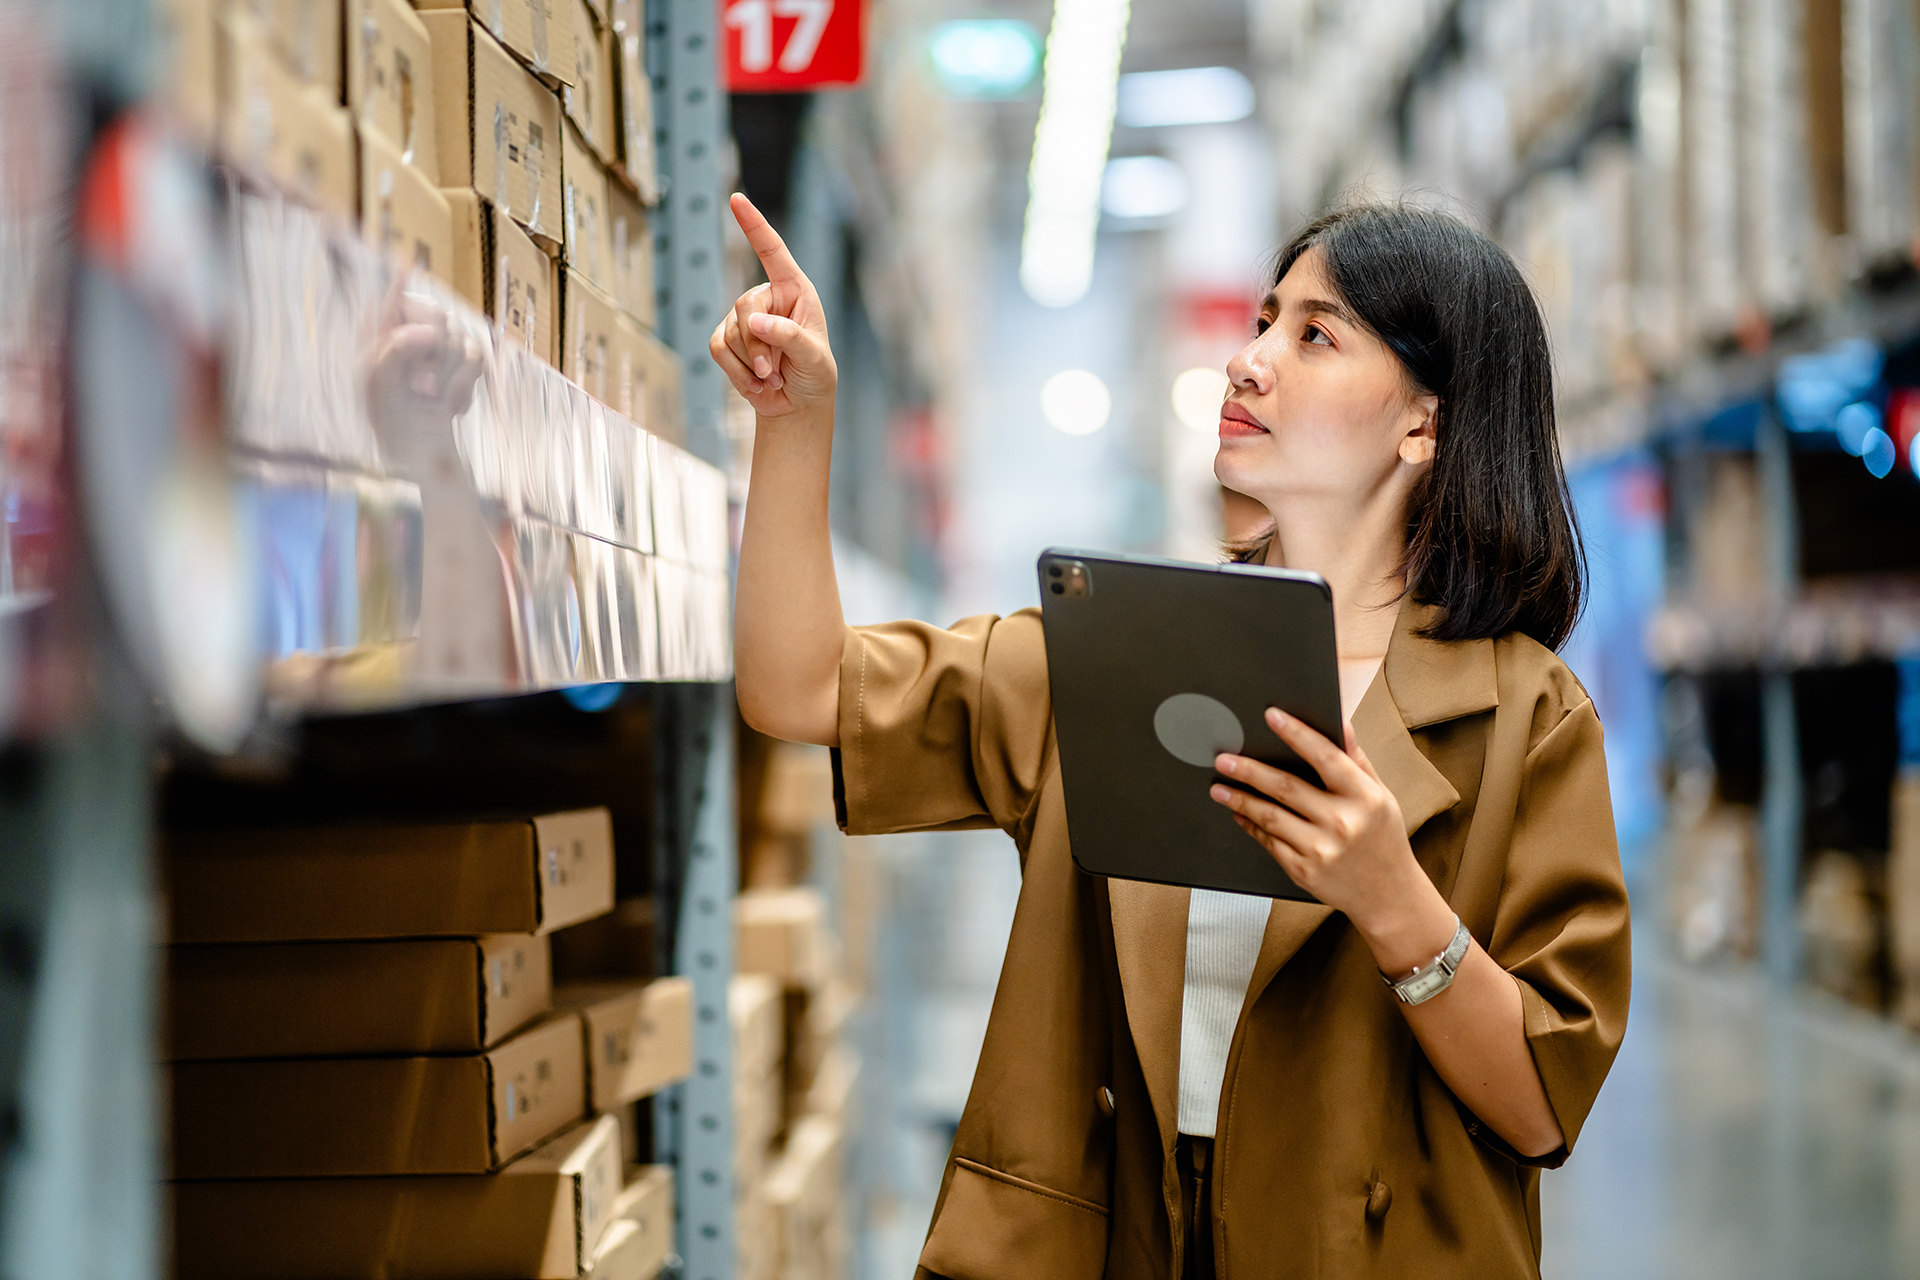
(587, 339)
(624, 943)
(815, 1020)
(798, 795)
(806, 1199)
(588, 246)
(589, 99)
(756, 1254)
(538, 32)
(835, 1088)
(428, 880)
(498, 127)
(185, 32)
(652, 375)
(502, 272)
(344, 1117)
(639, 1037)
(640, 1236)
(754, 1009)
(782, 934)
(353, 999)
(639, 161)
(632, 244)
(543, 1216)
(305, 35)
(276, 126)
(389, 65)
(401, 211)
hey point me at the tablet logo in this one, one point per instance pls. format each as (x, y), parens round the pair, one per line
(1195, 728)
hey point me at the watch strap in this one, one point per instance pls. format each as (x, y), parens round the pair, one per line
(1430, 979)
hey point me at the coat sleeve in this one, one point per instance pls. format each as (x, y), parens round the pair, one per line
(942, 728)
(1562, 927)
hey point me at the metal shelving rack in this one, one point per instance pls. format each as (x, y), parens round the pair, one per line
(81, 1142)
(694, 1122)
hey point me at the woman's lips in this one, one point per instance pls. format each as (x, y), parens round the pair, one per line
(1236, 422)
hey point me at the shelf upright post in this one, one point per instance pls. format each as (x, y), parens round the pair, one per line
(693, 1122)
(690, 113)
(1781, 801)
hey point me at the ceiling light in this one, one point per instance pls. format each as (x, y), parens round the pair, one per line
(1878, 453)
(1070, 149)
(1853, 424)
(1195, 95)
(1076, 402)
(1197, 394)
(1143, 187)
(984, 58)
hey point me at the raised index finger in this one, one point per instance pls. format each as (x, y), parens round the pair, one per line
(779, 264)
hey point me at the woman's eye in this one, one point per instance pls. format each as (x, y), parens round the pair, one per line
(1316, 335)
(1261, 325)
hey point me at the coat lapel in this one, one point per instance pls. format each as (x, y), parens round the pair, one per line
(1421, 682)
(1150, 943)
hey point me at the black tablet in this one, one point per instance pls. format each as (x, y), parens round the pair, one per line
(1156, 667)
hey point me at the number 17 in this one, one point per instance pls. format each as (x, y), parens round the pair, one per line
(753, 19)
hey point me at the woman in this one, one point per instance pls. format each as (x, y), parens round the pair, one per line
(1181, 1083)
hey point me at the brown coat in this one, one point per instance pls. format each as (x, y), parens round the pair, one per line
(1339, 1153)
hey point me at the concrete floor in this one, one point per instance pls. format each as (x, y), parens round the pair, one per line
(1742, 1135)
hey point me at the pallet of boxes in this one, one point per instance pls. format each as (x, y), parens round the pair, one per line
(795, 1073)
(369, 1074)
(503, 146)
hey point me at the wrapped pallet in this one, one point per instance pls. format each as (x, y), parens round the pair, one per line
(1711, 115)
(1879, 50)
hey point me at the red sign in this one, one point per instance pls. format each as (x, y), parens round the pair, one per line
(777, 46)
(1903, 422)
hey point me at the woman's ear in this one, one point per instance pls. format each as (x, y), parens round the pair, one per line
(1422, 440)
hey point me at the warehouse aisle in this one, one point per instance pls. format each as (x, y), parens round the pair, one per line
(1743, 1134)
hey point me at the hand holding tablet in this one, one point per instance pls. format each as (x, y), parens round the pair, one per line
(1159, 669)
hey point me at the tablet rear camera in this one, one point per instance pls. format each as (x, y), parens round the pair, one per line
(1072, 580)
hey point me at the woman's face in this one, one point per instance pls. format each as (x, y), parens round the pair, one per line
(1319, 407)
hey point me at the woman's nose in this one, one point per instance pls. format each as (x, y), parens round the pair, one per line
(1250, 370)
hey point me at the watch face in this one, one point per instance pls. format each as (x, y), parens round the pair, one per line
(1424, 986)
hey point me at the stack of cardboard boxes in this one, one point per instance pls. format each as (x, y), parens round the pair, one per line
(796, 1073)
(754, 1009)
(370, 1074)
(784, 941)
(503, 146)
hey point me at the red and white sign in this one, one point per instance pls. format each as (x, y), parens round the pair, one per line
(777, 46)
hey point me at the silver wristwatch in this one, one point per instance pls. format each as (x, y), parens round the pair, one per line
(1430, 979)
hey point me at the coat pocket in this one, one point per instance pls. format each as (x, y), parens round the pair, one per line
(994, 1226)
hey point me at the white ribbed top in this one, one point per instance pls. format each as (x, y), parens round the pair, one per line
(1223, 942)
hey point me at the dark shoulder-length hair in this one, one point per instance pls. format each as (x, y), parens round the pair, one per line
(1491, 535)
